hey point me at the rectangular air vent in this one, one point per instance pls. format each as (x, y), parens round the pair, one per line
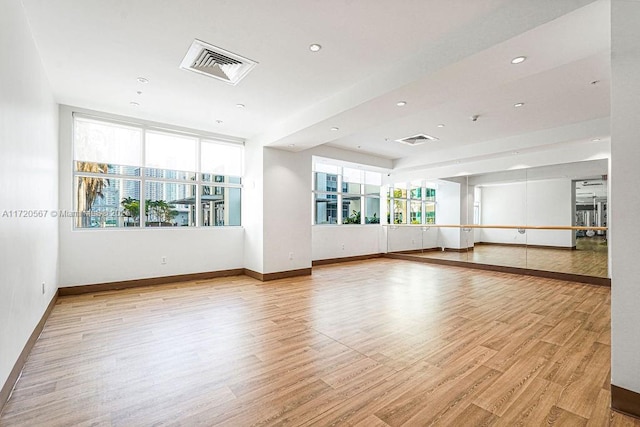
(418, 139)
(215, 62)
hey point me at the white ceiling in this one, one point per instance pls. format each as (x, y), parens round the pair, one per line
(448, 60)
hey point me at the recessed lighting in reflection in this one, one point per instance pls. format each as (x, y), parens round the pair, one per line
(518, 60)
(518, 105)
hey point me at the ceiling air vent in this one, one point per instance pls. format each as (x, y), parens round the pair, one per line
(418, 139)
(215, 62)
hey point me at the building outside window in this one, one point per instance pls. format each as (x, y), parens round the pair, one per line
(128, 175)
(344, 195)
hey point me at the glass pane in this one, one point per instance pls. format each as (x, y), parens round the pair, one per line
(373, 178)
(168, 151)
(207, 177)
(102, 202)
(326, 208)
(416, 212)
(108, 169)
(430, 194)
(352, 175)
(372, 210)
(399, 193)
(373, 190)
(351, 210)
(350, 188)
(326, 182)
(168, 204)
(416, 193)
(430, 213)
(169, 174)
(220, 158)
(220, 206)
(399, 211)
(326, 168)
(101, 142)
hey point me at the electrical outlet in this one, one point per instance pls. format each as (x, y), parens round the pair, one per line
(163, 260)
(343, 246)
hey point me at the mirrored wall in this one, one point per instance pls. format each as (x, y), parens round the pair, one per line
(550, 219)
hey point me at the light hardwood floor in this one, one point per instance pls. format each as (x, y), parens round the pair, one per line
(370, 343)
(587, 260)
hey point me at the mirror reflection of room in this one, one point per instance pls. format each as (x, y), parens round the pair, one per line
(551, 218)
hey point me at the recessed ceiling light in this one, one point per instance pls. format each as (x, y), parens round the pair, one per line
(139, 92)
(518, 59)
(440, 125)
(292, 145)
(219, 122)
(142, 80)
(595, 82)
(133, 103)
(315, 47)
(515, 152)
(518, 105)
(335, 128)
(595, 139)
(240, 105)
(401, 103)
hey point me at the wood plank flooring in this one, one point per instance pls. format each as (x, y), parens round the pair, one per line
(371, 343)
(590, 261)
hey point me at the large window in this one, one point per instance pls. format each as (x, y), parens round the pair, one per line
(133, 176)
(343, 195)
(411, 203)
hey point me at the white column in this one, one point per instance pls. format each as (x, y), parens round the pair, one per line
(625, 200)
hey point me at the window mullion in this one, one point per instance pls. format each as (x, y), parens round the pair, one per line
(143, 186)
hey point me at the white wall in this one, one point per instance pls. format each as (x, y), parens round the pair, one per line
(624, 203)
(550, 202)
(546, 202)
(411, 238)
(287, 210)
(339, 241)
(97, 256)
(28, 180)
(449, 212)
(252, 203)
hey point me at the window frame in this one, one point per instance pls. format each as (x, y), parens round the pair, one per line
(407, 198)
(342, 195)
(198, 180)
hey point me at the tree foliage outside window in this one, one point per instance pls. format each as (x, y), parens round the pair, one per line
(413, 205)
